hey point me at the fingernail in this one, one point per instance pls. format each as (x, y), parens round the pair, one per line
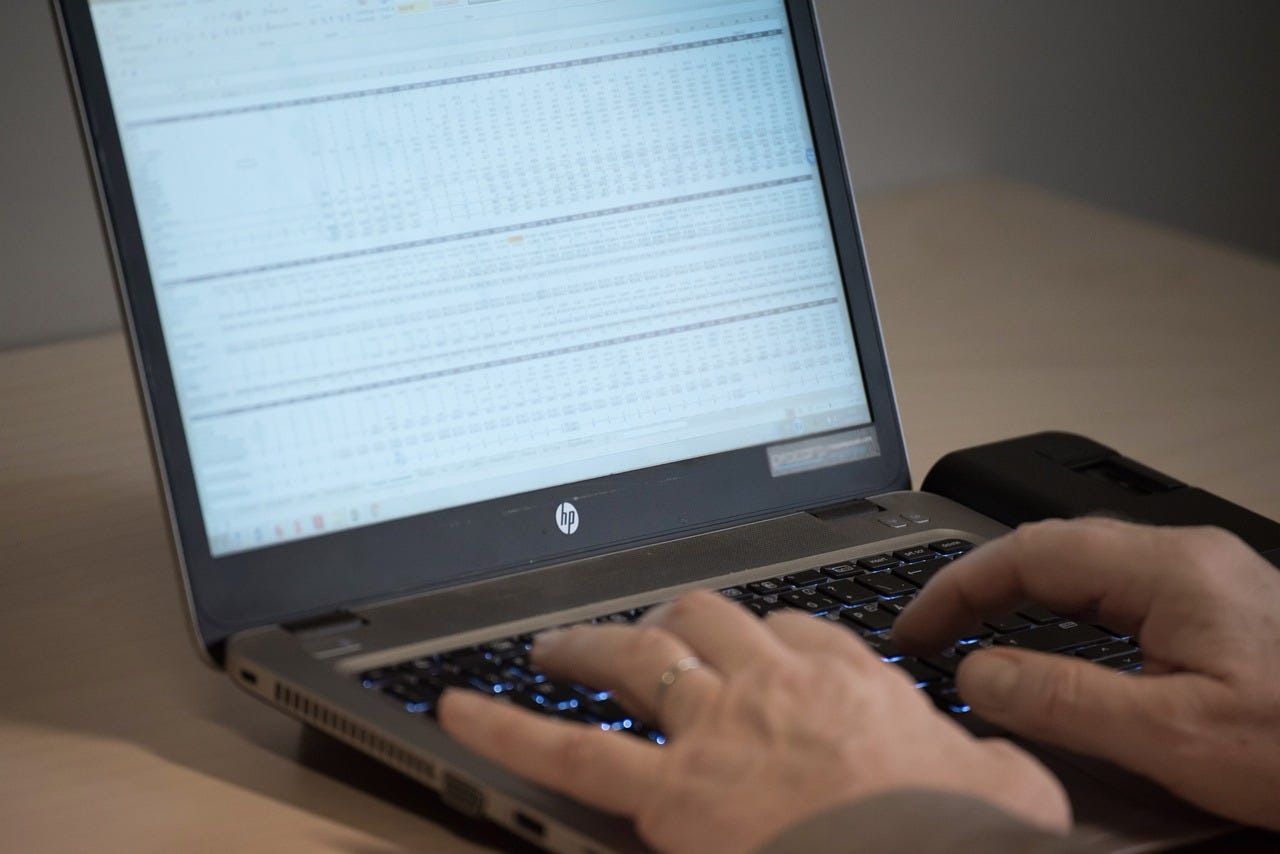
(991, 678)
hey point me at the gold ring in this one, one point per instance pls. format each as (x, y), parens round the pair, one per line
(670, 675)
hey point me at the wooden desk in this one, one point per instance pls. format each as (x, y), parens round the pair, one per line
(1006, 310)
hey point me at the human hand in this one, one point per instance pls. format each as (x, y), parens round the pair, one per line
(1203, 719)
(781, 719)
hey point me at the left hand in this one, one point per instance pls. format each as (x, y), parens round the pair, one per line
(781, 719)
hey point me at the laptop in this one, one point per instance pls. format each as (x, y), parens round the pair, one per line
(455, 320)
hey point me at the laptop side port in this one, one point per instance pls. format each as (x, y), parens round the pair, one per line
(462, 796)
(532, 825)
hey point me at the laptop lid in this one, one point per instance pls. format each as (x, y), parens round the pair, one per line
(427, 292)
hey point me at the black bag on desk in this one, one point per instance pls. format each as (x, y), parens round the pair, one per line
(1046, 475)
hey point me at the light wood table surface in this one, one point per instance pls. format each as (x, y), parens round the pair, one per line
(1006, 310)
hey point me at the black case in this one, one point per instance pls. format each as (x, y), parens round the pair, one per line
(1063, 475)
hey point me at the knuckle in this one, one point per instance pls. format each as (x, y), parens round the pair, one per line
(1004, 752)
(649, 823)
(782, 682)
(655, 819)
(689, 605)
(1208, 555)
(647, 642)
(1207, 545)
(1040, 530)
(1033, 538)
(785, 618)
(1056, 695)
(575, 754)
(1180, 716)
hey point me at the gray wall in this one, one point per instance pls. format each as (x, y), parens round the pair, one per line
(1163, 108)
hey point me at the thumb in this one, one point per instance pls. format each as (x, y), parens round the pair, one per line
(1065, 701)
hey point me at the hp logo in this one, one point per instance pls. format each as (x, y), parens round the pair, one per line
(567, 518)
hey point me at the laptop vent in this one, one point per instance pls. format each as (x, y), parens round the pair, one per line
(324, 718)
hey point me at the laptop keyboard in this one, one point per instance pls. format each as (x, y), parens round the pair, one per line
(864, 596)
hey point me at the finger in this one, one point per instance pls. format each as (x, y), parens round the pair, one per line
(606, 770)
(806, 634)
(631, 660)
(1075, 703)
(1084, 566)
(725, 635)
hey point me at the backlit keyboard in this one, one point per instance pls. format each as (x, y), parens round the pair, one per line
(864, 596)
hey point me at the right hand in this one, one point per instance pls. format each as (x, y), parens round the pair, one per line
(1203, 719)
(779, 720)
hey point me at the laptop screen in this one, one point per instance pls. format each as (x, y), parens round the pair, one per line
(414, 255)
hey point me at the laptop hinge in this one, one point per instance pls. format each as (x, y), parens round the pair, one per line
(844, 509)
(322, 625)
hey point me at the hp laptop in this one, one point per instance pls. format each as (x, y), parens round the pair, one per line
(455, 320)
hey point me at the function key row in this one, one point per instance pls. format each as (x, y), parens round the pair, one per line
(911, 568)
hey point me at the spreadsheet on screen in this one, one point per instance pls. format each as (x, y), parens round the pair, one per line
(409, 256)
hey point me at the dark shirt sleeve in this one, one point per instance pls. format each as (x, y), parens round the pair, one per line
(921, 822)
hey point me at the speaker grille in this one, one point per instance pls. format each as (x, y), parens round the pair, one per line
(322, 717)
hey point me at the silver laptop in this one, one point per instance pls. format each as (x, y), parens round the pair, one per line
(460, 319)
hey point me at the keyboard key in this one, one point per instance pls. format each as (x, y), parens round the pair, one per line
(841, 570)
(553, 696)
(1106, 650)
(734, 593)
(532, 703)
(1039, 615)
(653, 735)
(1060, 638)
(806, 578)
(947, 698)
(768, 586)
(379, 677)
(764, 605)
(869, 617)
(607, 711)
(945, 663)
(593, 694)
(808, 600)
(964, 647)
(886, 583)
(951, 546)
(915, 553)
(884, 646)
(1128, 661)
(920, 574)
(492, 683)
(467, 660)
(417, 699)
(1008, 623)
(878, 562)
(848, 592)
(506, 650)
(919, 671)
(897, 606)
(522, 670)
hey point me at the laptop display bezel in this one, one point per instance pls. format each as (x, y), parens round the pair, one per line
(448, 547)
